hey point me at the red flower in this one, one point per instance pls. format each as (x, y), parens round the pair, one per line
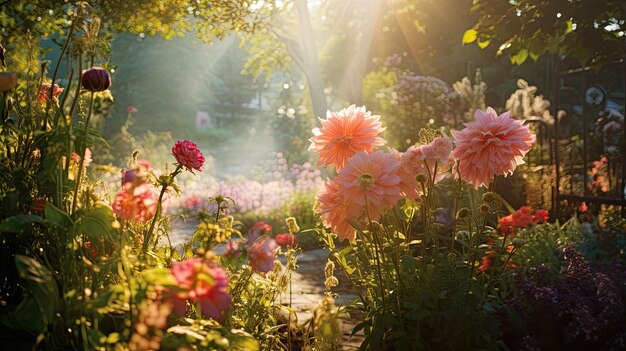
(286, 239)
(188, 155)
(38, 205)
(507, 225)
(523, 217)
(486, 263)
(92, 250)
(541, 216)
(583, 207)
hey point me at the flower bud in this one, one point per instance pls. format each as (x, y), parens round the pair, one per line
(464, 212)
(484, 208)
(292, 225)
(96, 79)
(489, 197)
(421, 178)
(8, 80)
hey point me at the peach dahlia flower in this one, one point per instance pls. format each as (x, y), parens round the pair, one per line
(370, 179)
(345, 133)
(334, 212)
(490, 146)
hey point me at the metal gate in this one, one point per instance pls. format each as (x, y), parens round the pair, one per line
(589, 145)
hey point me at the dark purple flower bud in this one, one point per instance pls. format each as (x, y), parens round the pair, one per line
(96, 79)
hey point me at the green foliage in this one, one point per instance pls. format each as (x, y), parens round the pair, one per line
(589, 32)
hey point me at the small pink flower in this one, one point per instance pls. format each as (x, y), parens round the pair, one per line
(490, 146)
(188, 155)
(76, 157)
(132, 109)
(232, 248)
(345, 133)
(201, 282)
(136, 204)
(440, 150)
(44, 93)
(259, 228)
(262, 253)
(286, 239)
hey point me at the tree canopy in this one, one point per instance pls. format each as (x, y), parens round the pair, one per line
(592, 32)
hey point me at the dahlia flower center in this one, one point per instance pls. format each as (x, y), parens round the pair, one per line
(490, 138)
(366, 179)
(344, 140)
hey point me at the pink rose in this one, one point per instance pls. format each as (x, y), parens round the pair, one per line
(188, 155)
(262, 253)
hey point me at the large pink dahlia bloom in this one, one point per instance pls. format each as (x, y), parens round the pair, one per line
(372, 180)
(490, 146)
(345, 133)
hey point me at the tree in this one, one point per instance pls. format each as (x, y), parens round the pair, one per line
(591, 32)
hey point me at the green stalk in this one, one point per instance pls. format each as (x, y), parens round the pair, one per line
(82, 158)
(146, 239)
(54, 75)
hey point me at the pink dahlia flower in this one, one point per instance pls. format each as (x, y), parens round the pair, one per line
(372, 180)
(201, 282)
(188, 155)
(262, 253)
(136, 204)
(440, 150)
(490, 146)
(345, 133)
(334, 212)
(408, 184)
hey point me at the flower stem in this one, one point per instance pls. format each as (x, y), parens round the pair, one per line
(82, 158)
(148, 236)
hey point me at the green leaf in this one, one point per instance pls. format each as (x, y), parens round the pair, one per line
(56, 215)
(17, 224)
(97, 223)
(42, 284)
(520, 57)
(469, 36)
(409, 263)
